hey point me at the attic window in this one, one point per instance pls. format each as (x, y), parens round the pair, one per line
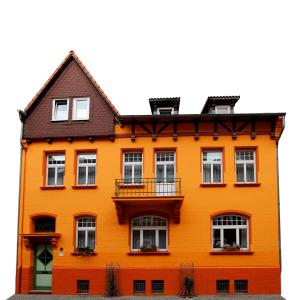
(81, 108)
(222, 109)
(166, 111)
(60, 109)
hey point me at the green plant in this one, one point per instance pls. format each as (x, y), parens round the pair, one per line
(188, 286)
(148, 248)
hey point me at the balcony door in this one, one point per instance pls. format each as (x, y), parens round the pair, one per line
(165, 184)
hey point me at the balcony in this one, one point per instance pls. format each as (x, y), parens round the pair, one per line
(154, 193)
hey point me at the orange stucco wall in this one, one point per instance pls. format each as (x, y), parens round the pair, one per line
(189, 241)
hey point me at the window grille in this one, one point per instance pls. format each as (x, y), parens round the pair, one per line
(212, 167)
(245, 166)
(222, 286)
(132, 167)
(157, 286)
(86, 172)
(55, 170)
(241, 286)
(86, 229)
(139, 286)
(83, 286)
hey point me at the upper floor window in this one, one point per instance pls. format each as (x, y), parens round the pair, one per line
(55, 169)
(245, 166)
(81, 108)
(85, 233)
(222, 109)
(86, 169)
(230, 231)
(132, 167)
(60, 109)
(149, 233)
(44, 224)
(212, 167)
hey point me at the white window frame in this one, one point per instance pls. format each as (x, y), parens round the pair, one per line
(245, 162)
(212, 163)
(222, 227)
(154, 228)
(165, 108)
(165, 163)
(53, 109)
(86, 230)
(133, 164)
(75, 108)
(86, 165)
(227, 107)
(55, 167)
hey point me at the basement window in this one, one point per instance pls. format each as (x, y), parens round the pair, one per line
(83, 286)
(241, 286)
(157, 286)
(139, 286)
(222, 286)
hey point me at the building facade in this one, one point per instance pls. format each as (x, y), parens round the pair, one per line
(165, 203)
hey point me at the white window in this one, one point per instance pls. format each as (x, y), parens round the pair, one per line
(85, 233)
(212, 167)
(245, 166)
(132, 167)
(222, 109)
(81, 108)
(165, 111)
(86, 170)
(149, 232)
(55, 170)
(230, 231)
(60, 109)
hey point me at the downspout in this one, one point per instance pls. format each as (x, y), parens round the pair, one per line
(278, 193)
(18, 284)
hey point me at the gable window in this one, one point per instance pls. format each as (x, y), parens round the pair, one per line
(81, 108)
(149, 233)
(86, 170)
(85, 233)
(230, 231)
(245, 166)
(60, 109)
(132, 167)
(55, 170)
(222, 109)
(212, 167)
(44, 224)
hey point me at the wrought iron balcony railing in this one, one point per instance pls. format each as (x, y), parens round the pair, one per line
(148, 187)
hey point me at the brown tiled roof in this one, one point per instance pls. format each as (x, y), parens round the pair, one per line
(86, 72)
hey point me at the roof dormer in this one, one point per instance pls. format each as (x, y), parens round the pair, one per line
(164, 106)
(220, 105)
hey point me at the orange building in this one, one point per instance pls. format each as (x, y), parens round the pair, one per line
(165, 203)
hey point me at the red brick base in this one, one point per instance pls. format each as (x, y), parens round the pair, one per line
(64, 280)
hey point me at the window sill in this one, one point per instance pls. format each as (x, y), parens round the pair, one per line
(84, 187)
(133, 253)
(247, 184)
(213, 184)
(132, 186)
(84, 253)
(54, 187)
(231, 252)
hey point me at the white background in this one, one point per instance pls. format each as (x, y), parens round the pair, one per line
(142, 49)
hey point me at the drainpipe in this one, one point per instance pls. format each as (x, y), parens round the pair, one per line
(18, 284)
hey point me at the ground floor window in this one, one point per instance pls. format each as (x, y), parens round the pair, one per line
(139, 286)
(86, 233)
(241, 286)
(83, 286)
(149, 233)
(157, 286)
(222, 286)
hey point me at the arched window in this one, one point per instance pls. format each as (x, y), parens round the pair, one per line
(230, 231)
(44, 224)
(149, 233)
(85, 233)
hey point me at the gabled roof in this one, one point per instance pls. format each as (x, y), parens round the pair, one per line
(219, 100)
(56, 74)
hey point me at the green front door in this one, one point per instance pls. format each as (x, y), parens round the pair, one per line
(43, 263)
